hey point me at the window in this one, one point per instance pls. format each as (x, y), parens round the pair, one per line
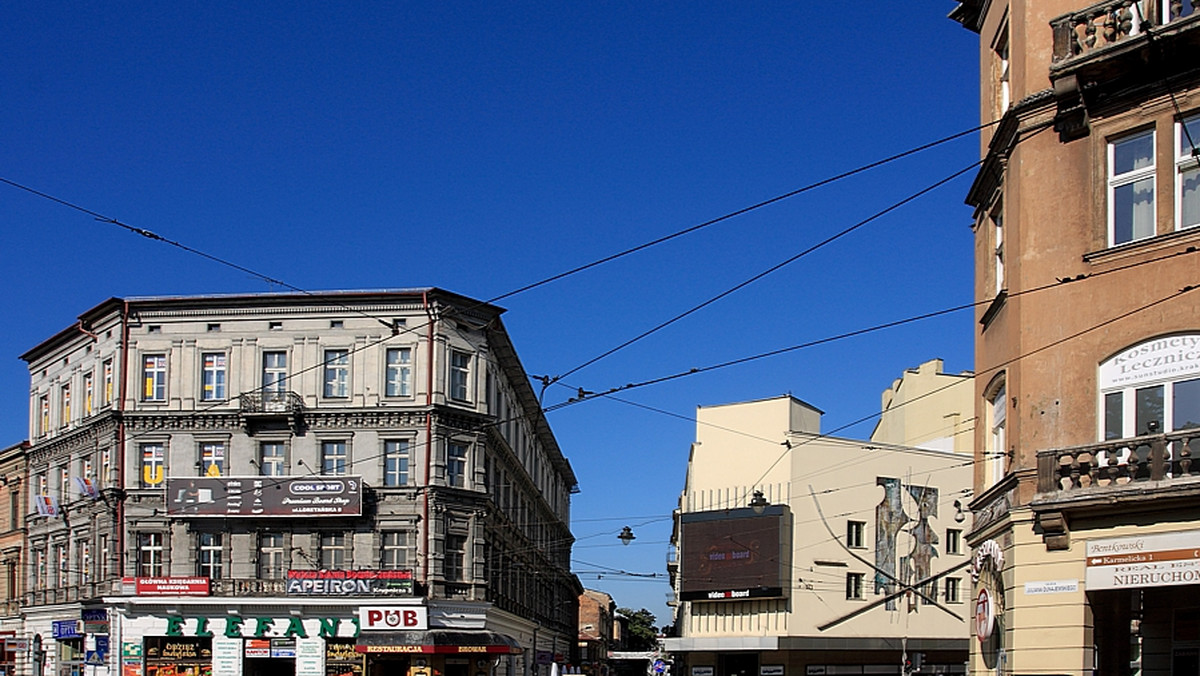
(153, 464)
(854, 534)
(952, 590)
(39, 563)
(998, 254)
(395, 462)
(154, 377)
(399, 372)
(274, 378)
(1131, 188)
(1138, 394)
(460, 375)
(997, 440)
(333, 457)
(89, 394)
(84, 552)
(1187, 173)
(456, 464)
(1004, 91)
(270, 556)
(394, 550)
(272, 458)
(854, 585)
(64, 405)
(209, 563)
(456, 554)
(212, 459)
(59, 572)
(102, 560)
(953, 541)
(213, 377)
(107, 374)
(150, 554)
(44, 415)
(333, 551)
(337, 373)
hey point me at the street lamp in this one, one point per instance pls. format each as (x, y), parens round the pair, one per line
(758, 503)
(626, 536)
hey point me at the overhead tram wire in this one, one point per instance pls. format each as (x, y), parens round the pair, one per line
(775, 268)
(588, 396)
(533, 285)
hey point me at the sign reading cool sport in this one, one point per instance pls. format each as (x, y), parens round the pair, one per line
(263, 496)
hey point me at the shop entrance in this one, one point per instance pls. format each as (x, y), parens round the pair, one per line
(269, 667)
(737, 664)
(391, 666)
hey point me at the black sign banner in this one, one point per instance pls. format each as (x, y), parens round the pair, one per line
(264, 496)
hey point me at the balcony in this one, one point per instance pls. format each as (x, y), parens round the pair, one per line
(1112, 22)
(271, 410)
(248, 587)
(1155, 472)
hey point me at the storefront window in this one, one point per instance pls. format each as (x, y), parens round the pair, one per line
(342, 660)
(170, 656)
(70, 657)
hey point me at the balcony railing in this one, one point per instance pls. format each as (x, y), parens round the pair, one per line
(1110, 22)
(248, 587)
(283, 403)
(1111, 465)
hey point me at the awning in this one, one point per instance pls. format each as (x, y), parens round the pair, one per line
(449, 641)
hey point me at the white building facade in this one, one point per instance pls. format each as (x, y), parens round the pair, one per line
(798, 553)
(344, 483)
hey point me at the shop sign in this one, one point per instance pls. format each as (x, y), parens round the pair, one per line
(169, 586)
(235, 626)
(985, 615)
(131, 650)
(350, 582)
(226, 656)
(392, 618)
(1161, 560)
(310, 657)
(263, 496)
(258, 647)
(770, 670)
(1158, 358)
(702, 671)
(17, 644)
(63, 629)
(95, 621)
(283, 648)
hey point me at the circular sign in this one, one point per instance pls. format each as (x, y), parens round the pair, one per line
(985, 616)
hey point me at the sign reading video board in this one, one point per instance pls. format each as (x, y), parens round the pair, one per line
(733, 555)
(264, 496)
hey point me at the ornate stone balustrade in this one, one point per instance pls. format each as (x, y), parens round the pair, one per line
(1120, 462)
(1108, 23)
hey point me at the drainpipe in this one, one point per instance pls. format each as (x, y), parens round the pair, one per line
(119, 382)
(428, 432)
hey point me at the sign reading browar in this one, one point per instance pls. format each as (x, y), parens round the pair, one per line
(350, 582)
(259, 496)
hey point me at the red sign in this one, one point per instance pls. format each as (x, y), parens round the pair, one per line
(169, 586)
(985, 616)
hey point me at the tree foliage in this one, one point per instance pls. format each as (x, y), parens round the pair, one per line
(642, 634)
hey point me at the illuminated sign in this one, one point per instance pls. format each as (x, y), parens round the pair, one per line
(393, 618)
(350, 582)
(730, 555)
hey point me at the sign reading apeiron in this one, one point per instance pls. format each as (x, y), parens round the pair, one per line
(1161, 560)
(262, 496)
(350, 582)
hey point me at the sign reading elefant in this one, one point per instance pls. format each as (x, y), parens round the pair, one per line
(1159, 560)
(394, 618)
(260, 496)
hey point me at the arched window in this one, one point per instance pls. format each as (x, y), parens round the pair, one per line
(996, 449)
(1151, 387)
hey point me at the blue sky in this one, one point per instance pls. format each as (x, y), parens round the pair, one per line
(480, 147)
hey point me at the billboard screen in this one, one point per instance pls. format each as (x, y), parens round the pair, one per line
(730, 555)
(261, 496)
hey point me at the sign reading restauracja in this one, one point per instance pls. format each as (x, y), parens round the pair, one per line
(1159, 560)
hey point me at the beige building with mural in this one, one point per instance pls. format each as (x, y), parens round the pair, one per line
(1087, 344)
(798, 553)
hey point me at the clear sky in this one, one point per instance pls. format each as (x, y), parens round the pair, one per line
(480, 147)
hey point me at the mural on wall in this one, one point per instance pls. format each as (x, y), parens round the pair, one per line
(892, 519)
